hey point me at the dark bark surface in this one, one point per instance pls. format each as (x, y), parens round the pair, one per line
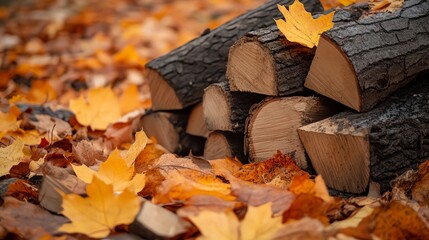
(398, 131)
(240, 104)
(194, 66)
(291, 61)
(386, 50)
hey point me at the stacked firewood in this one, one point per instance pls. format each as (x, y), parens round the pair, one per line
(356, 109)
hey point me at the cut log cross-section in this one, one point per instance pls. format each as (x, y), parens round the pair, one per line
(225, 110)
(351, 149)
(360, 63)
(196, 122)
(222, 144)
(169, 129)
(265, 62)
(178, 79)
(273, 125)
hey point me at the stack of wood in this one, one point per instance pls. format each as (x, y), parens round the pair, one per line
(270, 94)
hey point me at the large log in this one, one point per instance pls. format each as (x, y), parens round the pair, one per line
(351, 149)
(178, 79)
(169, 129)
(196, 122)
(360, 63)
(273, 124)
(265, 62)
(225, 110)
(222, 144)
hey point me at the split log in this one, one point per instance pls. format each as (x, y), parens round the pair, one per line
(221, 144)
(196, 122)
(178, 79)
(351, 149)
(272, 125)
(360, 63)
(169, 129)
(225, 110)
(265, 62)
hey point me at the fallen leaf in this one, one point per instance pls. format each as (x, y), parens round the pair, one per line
(228, 164)
(307, 205)
(305, 228)
(40, 92)
(385, 5)
(86, 152)
(113, 171)
(130, 99)
(300, 27)
(28, 220)
(57, 128)
(136, 148)
(263, 172)
(354, 220)
(302, 184)
(99, 109)
(23, 190)
(391, 221)
(420, 189)
(257, 224)
(129, 56)
(99, 213)
(11, 155)
(328, 4)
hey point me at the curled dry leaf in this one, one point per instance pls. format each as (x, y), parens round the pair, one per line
(301, 27)
(11, 155)
(385, 5)
(99, 213)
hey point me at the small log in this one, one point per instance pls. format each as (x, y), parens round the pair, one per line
(373, 57)
(351, 149)
(225, 110)
(273, 125)
(178, 79)
(221, 144)
(196, 123)
(169, 129)
(265, 62)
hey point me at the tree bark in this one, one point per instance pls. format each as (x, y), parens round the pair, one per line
(351, 149)
(178, 79)
(374, 56)
(225, 110)
(265, 62)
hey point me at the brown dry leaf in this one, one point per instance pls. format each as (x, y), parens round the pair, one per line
(385, 5)
(41, 91)
(258, 194)
(29, 220)
(265, 171)
(98, 109)
(303, 229)
(148, 156)
(119, 133)
(391, 221)
(180, 187)
(420, 190)
(23, 190)
(302, 184)
(57, 128)
(11, 155)
(99, 213)
(197, 203)
(307, 205)
(227, 164)
(87, 153)
(257, 224)
(301, 27)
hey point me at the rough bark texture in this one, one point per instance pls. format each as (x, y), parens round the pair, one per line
(397, 131)
(386, 50)
(239, 104)
(194, 66)
(290, 61)
(176, 120)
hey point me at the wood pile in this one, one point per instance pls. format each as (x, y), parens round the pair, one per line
(355, 109)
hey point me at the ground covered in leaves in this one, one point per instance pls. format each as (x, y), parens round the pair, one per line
(75, 165)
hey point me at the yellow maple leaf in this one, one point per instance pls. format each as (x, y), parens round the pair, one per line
(10, 156)
(99, 213)
(136, 148)
(130, 99)
(301, 27)
(257, 224)
(113, 171)
(98, 110)
(328, 4)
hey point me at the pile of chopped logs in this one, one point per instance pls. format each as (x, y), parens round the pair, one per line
(355, 109)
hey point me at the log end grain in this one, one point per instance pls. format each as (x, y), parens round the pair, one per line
(341, 156)
(159, 126)
(250, 68)
(331, 74)
(217, 147)
(196, 123)
(217, 112)
(164, 97)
